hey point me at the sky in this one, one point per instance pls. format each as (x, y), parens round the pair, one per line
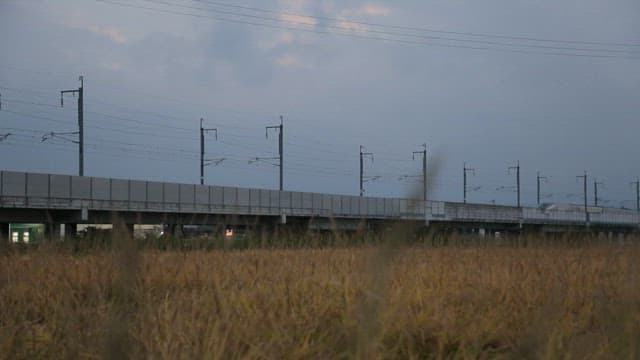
(551, 84)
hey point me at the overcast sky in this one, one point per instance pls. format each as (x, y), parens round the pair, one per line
(556, 87)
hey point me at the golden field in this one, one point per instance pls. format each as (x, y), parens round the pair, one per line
(362, 302)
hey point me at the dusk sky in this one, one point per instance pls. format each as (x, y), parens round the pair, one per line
(553, 84)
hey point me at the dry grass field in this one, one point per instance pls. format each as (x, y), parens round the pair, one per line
(362, 302)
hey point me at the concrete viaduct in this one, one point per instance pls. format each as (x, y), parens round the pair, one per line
(54, 199)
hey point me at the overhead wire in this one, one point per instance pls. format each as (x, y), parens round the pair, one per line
(326, 172)
(361, 36)
(415, 28)
(349, 27)
(294, 163)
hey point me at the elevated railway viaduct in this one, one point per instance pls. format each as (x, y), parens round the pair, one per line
(54, 199)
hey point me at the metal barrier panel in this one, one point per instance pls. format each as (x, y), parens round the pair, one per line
(119, 190)
(138, 191)
(187, 194)
(316, 202)
(534, 215)
(37, 185)
(326, 203)
(345, 205)
(349, 206)
(285, 199)
(388, 207)
(217, 194)
(358, 205)
(72, 191)
(230, 198)
(274, 199)
(395, 205)
(13, 183)
(264, 199)
(437, 208)
(379, 207)
(451, 210)
(171, 193)
(255, 198)
(404, 207)
(60, 186)
(417, 207)
(371, 206)
(336, 204)
(243, 197)
(296, 200)
(202, 195)
(100, 189)
(154, 191)
(80, 187)
(307, 200)
(615, 217)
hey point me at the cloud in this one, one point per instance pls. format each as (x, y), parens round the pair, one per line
(348, 25)
(287, 60)
(375, 10)
(299, 19)
(284, 38)
(113, 34)
(296, 6)
(367, 10)
(111, 65)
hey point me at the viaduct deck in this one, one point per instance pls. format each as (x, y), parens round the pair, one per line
(53, 198)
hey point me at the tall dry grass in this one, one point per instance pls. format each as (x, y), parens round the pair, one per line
(451, 302)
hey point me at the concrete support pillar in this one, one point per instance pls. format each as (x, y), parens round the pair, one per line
(70, 231)
(131, 230)
(52, 232)
(4, 232)
(175, 230)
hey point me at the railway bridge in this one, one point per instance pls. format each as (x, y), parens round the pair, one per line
(54, 199)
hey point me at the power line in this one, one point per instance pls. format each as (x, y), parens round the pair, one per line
(155, 125)
(41, 94)
(30, 103)
(391, 33)
(65, 147)
(422, 29)
(359, 36)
